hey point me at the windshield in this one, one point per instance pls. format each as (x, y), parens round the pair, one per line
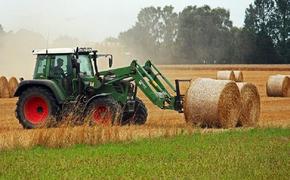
(85, 65)
(40, 67)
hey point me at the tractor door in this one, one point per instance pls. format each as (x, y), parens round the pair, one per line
(40, 71)
(61, 72)
(87, 72)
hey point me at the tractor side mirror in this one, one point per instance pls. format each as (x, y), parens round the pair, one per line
(110, 61)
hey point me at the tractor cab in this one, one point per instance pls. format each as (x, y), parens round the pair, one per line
(74, 70)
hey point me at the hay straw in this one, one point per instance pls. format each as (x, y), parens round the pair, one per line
(250, 111)
(66, 137)
(278, 86)
(4, 87)
(239, 77)
(13, 84)
(212, 103)
(226, 75)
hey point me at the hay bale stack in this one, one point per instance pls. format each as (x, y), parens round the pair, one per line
(239, 77)
(278, 86)
(212, 103)
(250, 109)
(4, 87)
(225, 75)
(13, 84)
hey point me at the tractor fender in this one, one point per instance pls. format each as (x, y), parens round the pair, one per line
(50, 85)
(95, 97)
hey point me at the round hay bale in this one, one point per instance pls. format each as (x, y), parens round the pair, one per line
(212, 103)
(250, 111)
(13, 84)
(239, 77)
(278, 86)
(225, 75)
(4, 87)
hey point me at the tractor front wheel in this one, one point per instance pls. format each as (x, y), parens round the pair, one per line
(35, 107)
(138, 117)
(103, 111)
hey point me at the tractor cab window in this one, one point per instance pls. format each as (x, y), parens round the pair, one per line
(60, 66)
(40, 68)
(86, 68)
(60, 61)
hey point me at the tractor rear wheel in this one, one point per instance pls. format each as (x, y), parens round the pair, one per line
(36, 106)
(138, 117)
(103, 111)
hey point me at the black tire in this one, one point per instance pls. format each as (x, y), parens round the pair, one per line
(36, 107)
(138, 117)
(103, 111)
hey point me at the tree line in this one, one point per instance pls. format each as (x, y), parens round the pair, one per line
(206, 35)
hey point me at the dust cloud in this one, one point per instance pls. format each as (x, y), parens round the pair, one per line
(16, 58)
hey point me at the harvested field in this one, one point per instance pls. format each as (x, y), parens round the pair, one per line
(221, 67)
(275, 111)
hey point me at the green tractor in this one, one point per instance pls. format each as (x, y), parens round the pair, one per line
(70, 79)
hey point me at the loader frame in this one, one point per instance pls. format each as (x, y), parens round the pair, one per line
(152, 83)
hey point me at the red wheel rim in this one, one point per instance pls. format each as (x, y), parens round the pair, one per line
(102, 115)
(35, 110)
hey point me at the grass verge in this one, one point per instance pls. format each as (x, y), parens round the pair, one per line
(251, 154)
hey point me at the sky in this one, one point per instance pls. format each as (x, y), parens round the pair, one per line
(93, 20)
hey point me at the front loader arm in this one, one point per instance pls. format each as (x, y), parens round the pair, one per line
(146, 78)
(152, 86)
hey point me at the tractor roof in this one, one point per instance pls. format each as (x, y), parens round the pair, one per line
(54, 51)
(61, 51)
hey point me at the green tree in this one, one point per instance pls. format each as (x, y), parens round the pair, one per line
(153, 34)
(282, 17)
(143, 38)
(243, 49)
(260, 17)
(204, 35)
(169, 31)
(269, 21)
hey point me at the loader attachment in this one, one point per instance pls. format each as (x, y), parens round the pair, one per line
(160, 83)
(156, 87)
(178, 106)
